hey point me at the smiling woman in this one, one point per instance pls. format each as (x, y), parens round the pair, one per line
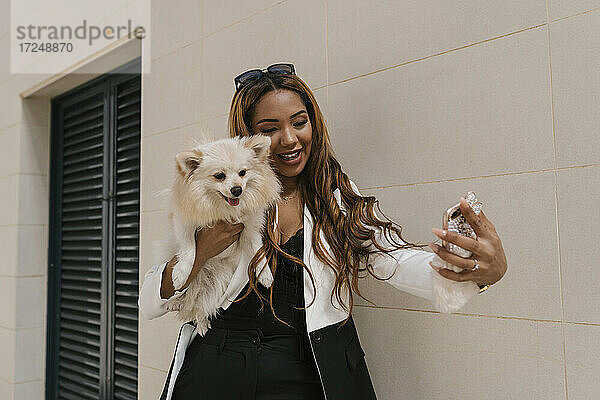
(318, 240)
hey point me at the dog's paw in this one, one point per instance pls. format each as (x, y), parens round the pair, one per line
(266, 277)
(180, 275)
(202, 326)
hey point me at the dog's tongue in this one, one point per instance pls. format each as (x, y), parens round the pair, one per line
(233, 202)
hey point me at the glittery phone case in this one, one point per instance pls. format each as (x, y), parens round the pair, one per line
(454, 221)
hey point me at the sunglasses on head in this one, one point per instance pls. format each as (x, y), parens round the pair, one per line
(255, 74)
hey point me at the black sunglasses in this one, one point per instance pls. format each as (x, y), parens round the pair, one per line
(255, 74)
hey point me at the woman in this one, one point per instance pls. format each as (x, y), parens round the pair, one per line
(321, 234)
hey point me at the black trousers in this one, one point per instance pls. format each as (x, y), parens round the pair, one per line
(246, 365)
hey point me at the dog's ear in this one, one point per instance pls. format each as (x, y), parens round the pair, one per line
(187, 162)
(261, 145)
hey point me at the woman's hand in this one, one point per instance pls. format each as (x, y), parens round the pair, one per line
(487, 250)
(214, 240)
(209, 243)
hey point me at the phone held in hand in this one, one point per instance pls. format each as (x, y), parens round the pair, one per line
(454, 221)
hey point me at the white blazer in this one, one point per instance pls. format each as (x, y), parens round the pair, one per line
(412, 275)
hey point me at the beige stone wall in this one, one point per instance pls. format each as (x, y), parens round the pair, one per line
(24, 155)
(424, 101)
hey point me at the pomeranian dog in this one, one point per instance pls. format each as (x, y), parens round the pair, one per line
(228, 179)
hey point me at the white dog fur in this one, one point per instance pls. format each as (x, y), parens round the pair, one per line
(197, 200)
(451, 296)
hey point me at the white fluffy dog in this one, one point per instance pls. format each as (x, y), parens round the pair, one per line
(227, 179)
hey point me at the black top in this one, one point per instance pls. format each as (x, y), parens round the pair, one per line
(288, 292)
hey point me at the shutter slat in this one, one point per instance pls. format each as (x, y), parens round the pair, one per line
(83, 246)
(127, 169)
(74, 319)
(88, 351)
(74, 218)
(82, 130)
(78, 382)
(79, 169)
(128, 103)
(119, 395)
(129, 125)
(80, 297)
(83, 148)
(91, 117)
(127, 259)
(126, 326)
(85, 158)
(134, 225)
(82, 258)
(88, 197)
(130, 88)
(128, 157)
(132, 146)
(79, 267)
(126, 236)
(127, 280)
(81, 288)
(87, 177)
(124, 338)
(75, 393)
(81, 338)
(77, 396)
(123, 247)
(132, 112)
(128, 372)
(79, 359)
(80, 307)
(78, 188)
(127, 179)
(95, 135)
(83, 107)
(125, 349)
(129, 214)
(132, 134)
(130, 270)
(67, 237)
(82, 228)
(127, 314)
(76, 370)
(81, 276)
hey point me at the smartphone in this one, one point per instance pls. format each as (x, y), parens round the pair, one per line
(454, 221)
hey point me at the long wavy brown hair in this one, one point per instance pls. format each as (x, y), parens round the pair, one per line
(350, 236)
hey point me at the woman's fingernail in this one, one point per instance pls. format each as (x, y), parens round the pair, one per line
(438, 231)
(434, 267)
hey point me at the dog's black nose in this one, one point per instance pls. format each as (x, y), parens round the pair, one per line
(236, 190)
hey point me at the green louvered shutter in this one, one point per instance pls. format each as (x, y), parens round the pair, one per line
(94, 240)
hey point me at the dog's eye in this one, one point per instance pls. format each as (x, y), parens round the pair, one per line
(243, 172)
(220, 176)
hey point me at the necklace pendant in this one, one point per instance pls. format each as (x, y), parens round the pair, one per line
(286, 199)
